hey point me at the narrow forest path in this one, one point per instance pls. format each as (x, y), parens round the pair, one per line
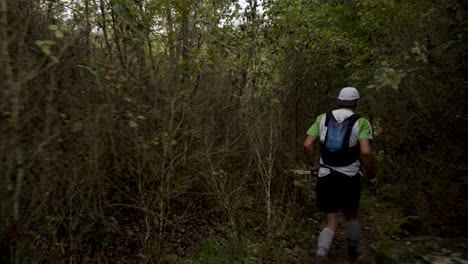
(338, 252)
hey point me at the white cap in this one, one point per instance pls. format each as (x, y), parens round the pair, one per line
(348, 96)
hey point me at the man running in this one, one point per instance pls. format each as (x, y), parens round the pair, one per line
(344, 143)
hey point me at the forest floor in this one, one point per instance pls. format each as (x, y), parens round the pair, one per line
(292, 237)
(338, 253)
(294, 242)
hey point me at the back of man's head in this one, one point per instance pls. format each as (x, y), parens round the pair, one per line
(348, 97)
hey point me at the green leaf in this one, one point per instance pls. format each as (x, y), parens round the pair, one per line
(42, 43)
(59, 34)
(46, 50)
(53, 27)
(54, 59)
(132, 124)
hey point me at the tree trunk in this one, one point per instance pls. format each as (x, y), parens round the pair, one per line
(185, 42)
(170, 37)
(87, 28)
(104, 31)
(14, 174)
(117, 38)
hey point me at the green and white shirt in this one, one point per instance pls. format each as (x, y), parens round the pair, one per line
(362, 129)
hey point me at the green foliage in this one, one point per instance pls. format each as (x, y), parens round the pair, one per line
(45, 46)
(392, 51)
(57, 31)
(411, 226)
(235, 251)
(134, 123)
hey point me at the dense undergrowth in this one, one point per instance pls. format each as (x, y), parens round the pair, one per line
(151, 131)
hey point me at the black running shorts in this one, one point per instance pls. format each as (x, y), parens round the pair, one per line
(338, 192)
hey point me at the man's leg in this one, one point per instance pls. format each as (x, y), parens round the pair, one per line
(327, 202)
(326, 237)
(353, 233)
(353, 228)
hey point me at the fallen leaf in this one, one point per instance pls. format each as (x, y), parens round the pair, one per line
(76, 126)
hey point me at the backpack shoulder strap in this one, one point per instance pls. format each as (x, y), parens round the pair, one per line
(351, 121)
(328, 117)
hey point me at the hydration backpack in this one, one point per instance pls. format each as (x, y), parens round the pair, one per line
(335, 150)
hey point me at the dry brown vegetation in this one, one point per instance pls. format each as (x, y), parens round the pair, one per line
(133, 131)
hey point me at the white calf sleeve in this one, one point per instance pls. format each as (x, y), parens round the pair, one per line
(324, 241)
(353, 232)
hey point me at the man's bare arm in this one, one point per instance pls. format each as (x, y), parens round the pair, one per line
(366, 157)
(309, 150)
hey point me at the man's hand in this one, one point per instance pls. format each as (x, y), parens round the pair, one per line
(314, 170)
(372, 184)
(367, 160)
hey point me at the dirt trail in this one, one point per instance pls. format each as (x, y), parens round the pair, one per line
(338, 252)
